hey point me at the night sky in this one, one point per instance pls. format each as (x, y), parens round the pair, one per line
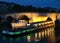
(37, 3)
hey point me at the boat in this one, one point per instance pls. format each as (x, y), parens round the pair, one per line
(29, 27)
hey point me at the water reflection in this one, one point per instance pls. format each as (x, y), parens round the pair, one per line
(28, 38)
(47, 35)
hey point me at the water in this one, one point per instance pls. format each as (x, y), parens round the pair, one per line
(45, 36)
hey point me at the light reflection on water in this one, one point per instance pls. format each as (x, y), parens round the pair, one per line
(47, 33)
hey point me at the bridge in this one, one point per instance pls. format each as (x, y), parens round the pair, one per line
(33, 16)
(37, 21)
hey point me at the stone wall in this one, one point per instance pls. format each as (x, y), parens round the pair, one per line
(34, 16)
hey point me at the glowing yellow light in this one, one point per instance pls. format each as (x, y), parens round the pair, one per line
(39, 34)
(48, 31)
(43, 34)
(39, 23)
(38, 19)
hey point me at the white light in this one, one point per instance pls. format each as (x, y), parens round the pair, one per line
(28, 24)
(29, 38)
(42, 23)
(35, 35)
(35, 24)
(39, 23)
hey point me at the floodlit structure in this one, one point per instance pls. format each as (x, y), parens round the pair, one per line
(31, 17)
(34, 16)
(29, 21)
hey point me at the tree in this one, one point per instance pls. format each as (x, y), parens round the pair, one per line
(9, 19)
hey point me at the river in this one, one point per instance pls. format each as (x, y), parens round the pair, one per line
(48, 35)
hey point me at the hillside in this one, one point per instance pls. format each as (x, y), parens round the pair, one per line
(6, 7)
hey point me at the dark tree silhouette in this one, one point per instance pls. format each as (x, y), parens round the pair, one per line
(59, 11)
(0, 19)
(20, 8)
(9, 19)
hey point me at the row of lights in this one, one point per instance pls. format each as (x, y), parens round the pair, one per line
(40, 23)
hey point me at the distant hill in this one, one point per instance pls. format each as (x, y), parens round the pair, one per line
(6, 7)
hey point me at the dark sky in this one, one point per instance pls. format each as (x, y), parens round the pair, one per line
(37, 3)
